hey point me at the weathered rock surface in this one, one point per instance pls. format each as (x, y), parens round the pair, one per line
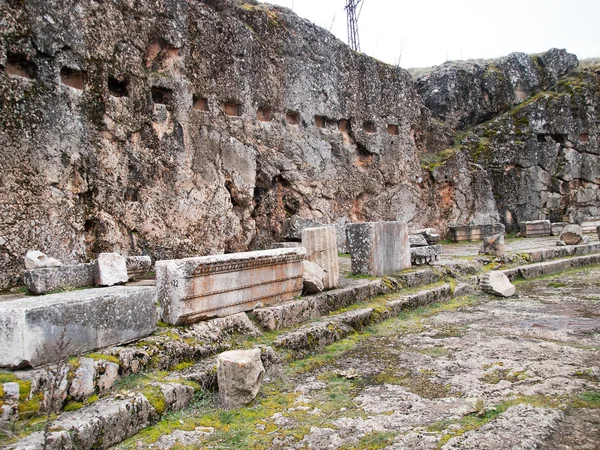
(118, 130)
(466, 93)
(239, 374)
(497, 283)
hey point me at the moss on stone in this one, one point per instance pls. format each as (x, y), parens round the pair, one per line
(97, 356)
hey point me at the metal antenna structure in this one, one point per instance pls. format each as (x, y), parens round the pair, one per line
(353, 9)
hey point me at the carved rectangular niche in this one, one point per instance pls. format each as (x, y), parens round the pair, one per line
(161, 95)
(232, 109)
(392, 129)
(320, 121)
(72, 78)
(264, 114)
(200, 103)
(292, 117)
(369, 127)
(18, 65)
(117, 88)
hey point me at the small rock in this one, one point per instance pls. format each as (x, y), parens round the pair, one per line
(82, 385)
(36, 260)
(11, 391)
(312, 277)
(496, 283)
(239, 376)
(111, 268)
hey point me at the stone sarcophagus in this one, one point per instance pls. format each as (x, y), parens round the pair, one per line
(378, 248)
(194, 289)
(535, 228)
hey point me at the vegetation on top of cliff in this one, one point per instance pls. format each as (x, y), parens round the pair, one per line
(431, 161)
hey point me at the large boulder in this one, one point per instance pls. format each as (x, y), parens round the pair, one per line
(496, 283)
(239, 376)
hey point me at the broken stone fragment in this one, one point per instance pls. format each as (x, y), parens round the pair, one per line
(111, 269)
(417, 240)
(36, 260)
(572, 235)
(82, 385)
(496, 283)
(312, 277)
(430, 234)
(239, 376)
(494, 245)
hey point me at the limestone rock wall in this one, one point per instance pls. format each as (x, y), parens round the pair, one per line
(177, 128)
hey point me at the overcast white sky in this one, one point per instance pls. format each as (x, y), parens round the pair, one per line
(433, 31)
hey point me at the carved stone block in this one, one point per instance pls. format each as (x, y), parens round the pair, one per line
(194, 289)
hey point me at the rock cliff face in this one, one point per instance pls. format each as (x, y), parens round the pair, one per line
(176, 128)
(533, 123)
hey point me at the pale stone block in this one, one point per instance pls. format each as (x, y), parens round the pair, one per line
(41, 281)
(36, 260)
(111, 268)
(321, 248)
(137, 266)
(194, 289)
(430, 234)
(41, 330)
(497, 283)
(239, 376)
(312, 278)
(285, 245)
(535, 228)
(378, 248)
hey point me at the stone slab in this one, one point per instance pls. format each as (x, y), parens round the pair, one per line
(590, 224)
(41, 330)
(194, 289)
(321, 248)
(41, 281)
(275, 245)
(378, 248)
(417, 240)
(535, 228)
(462, 233)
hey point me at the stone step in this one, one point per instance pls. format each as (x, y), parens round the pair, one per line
(111, 420)
(329, 329)
(550, 267)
